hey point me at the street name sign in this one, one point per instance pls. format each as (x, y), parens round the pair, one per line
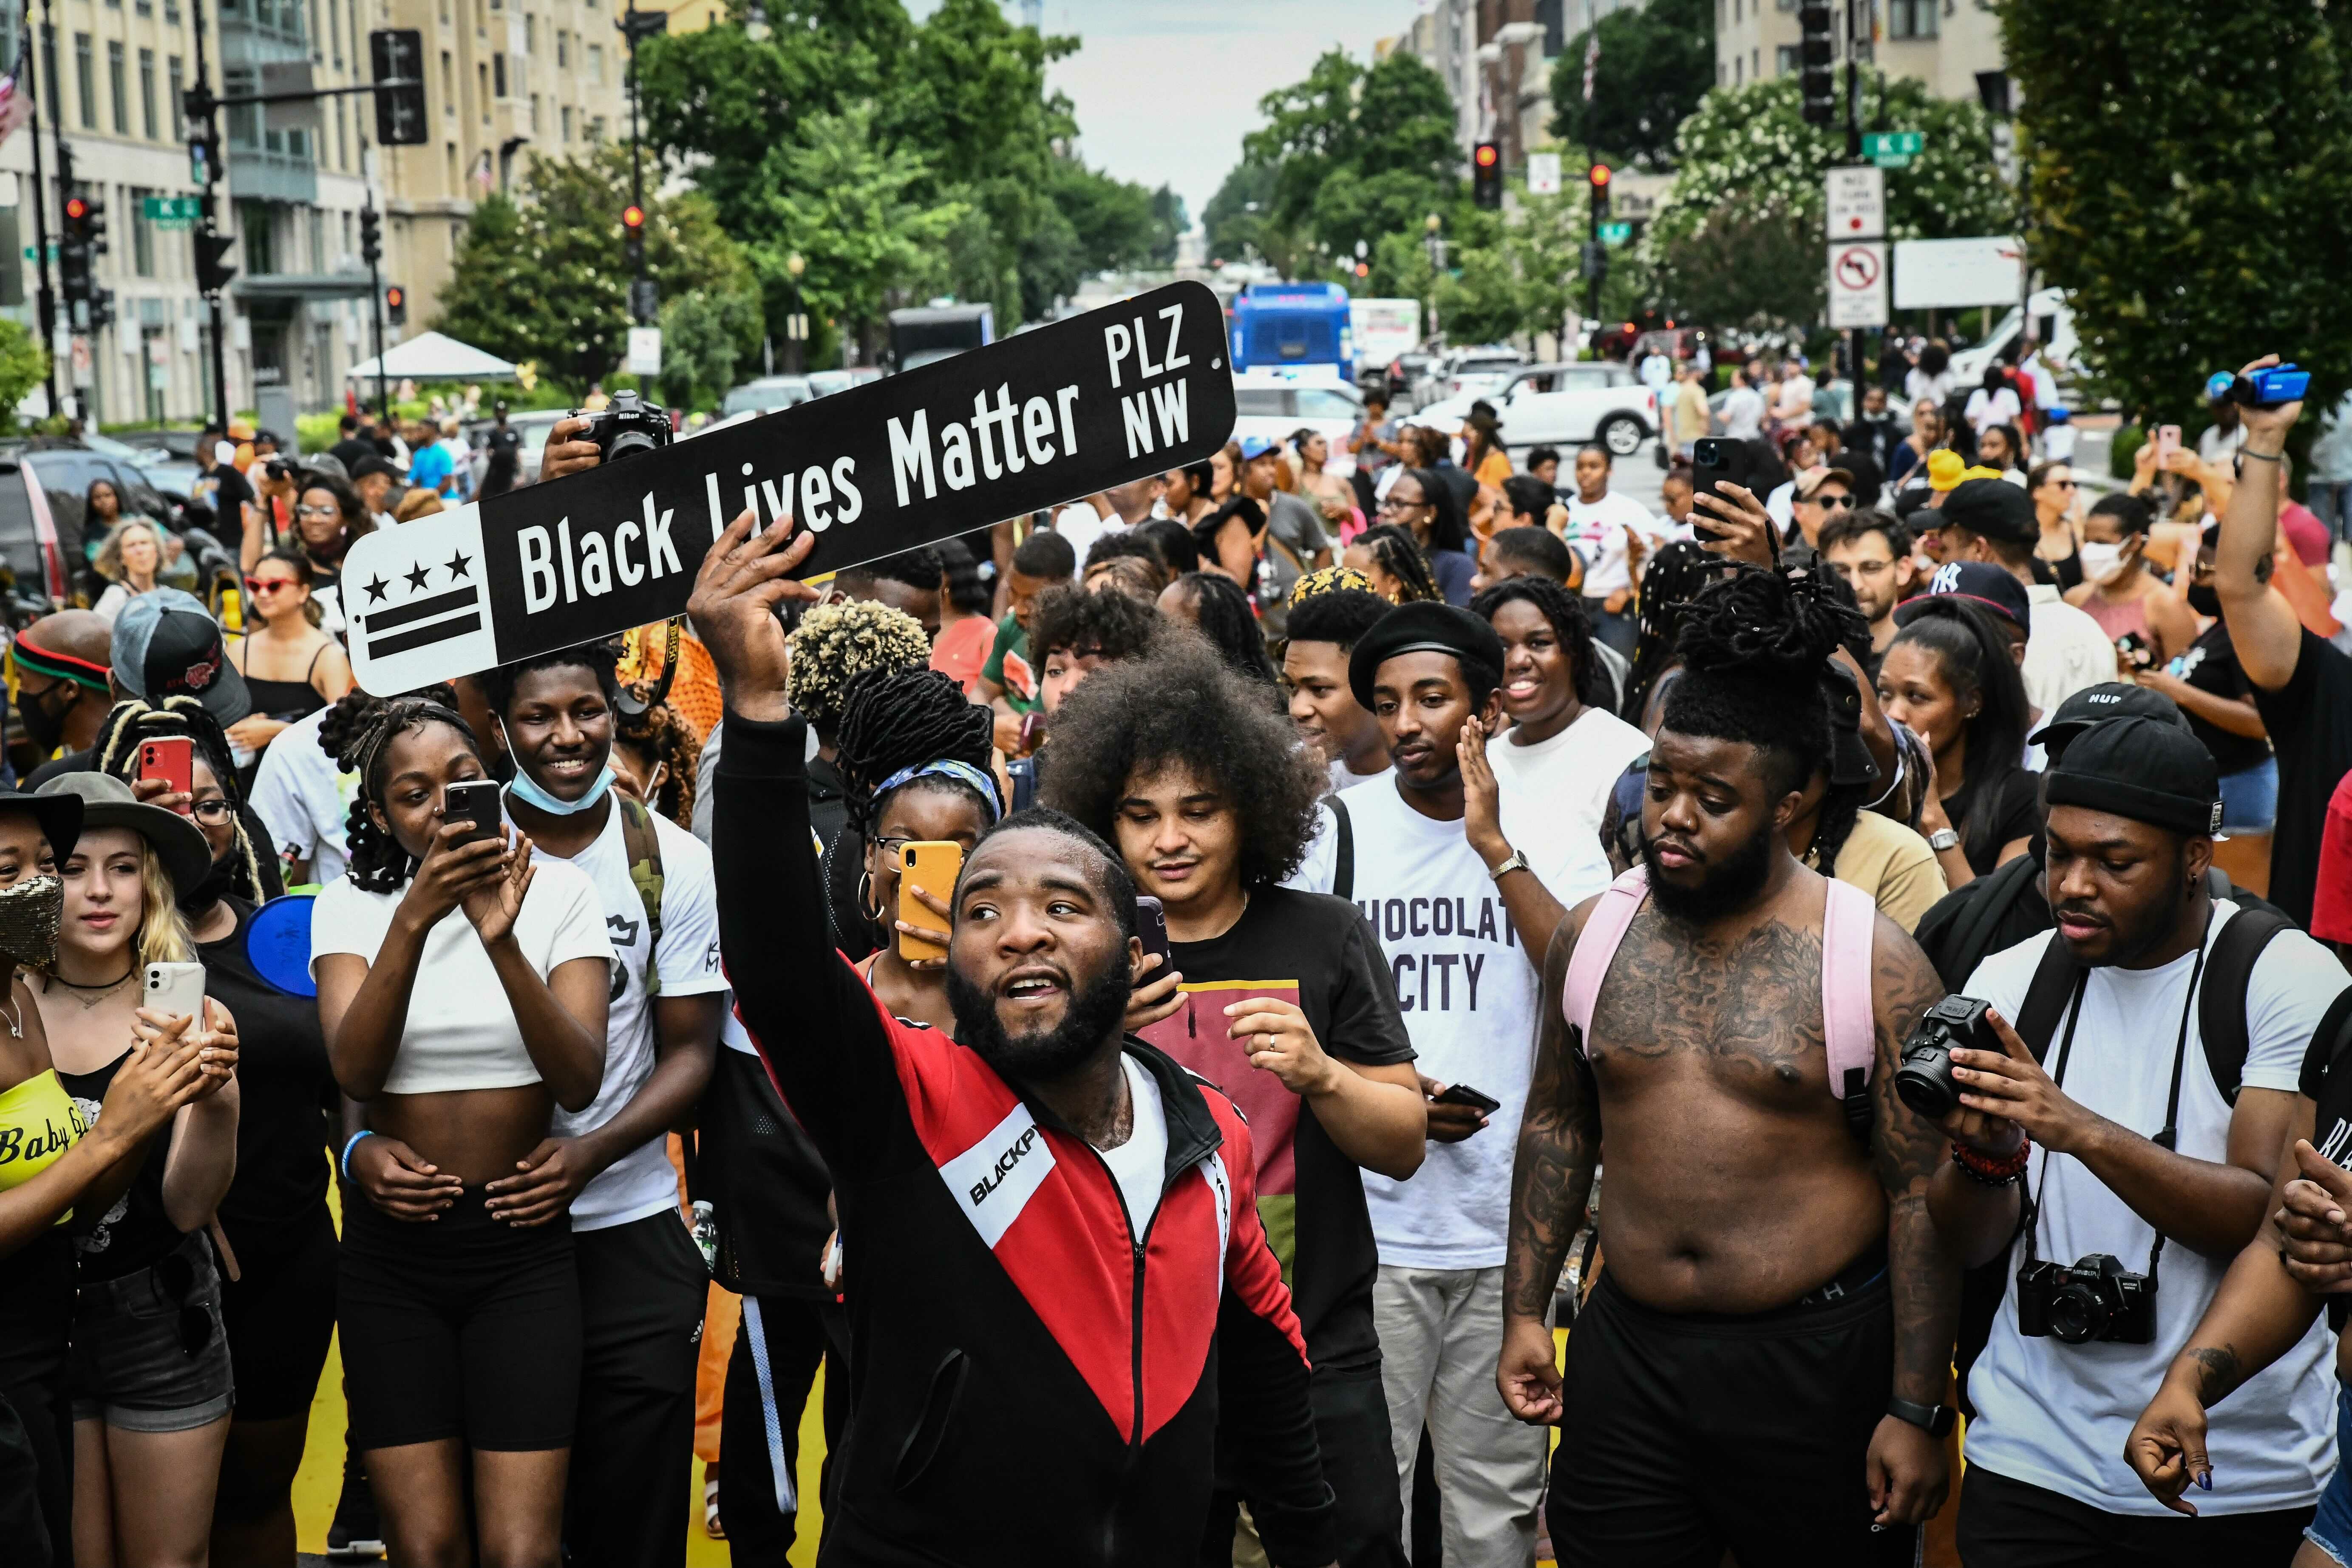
(1616, 233)
(1891, 149)
(1028, 422)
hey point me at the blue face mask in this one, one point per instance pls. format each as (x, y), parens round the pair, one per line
(526, 789)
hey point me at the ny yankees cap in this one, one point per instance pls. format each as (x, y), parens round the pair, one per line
(166, 645)
(1979, 581)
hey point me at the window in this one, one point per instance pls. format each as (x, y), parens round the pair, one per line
(596, 63)
(597, 129)
(318, 237)
(449, 85)
(499, 73)
(86, 78)
(531, 35)
(1787, 58)
(482, 88)
(562, 48)
(566, 118)
(253, 230)
(534, 114)
(1738, 70)
(172, 81)
(121, 93)
(172, 12)
(335, 36)
(142, 233)
(1911, 18)
(342, 137)
(445, 12)
(146, 7)
(50, 68)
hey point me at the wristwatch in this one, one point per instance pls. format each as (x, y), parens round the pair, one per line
(1943, 838)
(1517, 862)
(1933, 1419)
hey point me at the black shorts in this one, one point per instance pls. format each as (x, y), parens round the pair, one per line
(280, 1311)
(1686, 1436)
(461, 1326)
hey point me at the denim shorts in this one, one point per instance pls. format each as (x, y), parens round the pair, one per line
(2330, 1529)
(150, 1353)
(2249, 798)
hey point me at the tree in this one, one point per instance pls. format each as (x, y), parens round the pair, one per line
(1656, 62)
(542, 278)
(2188, 185)
(1356, 154)
(1749, 173)
(702, 341)
(1169, 221)
(23, 364)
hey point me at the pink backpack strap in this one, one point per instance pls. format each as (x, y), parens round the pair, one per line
(1596, 945)
(1849, 1019)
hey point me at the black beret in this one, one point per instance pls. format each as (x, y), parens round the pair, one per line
(1425, 626)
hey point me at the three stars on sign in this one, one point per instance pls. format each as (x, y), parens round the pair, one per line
(458, 565)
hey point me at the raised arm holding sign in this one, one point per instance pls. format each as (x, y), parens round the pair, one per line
(1067, 410)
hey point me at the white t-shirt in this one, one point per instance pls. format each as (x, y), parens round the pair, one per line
(642, 1181)
(1141, 1164)
(1597, 529)
(1987, 409)
(1566, 780)
(1917, 385)
(461, 1031)
(1469, 992)
(1796, 398)
(1743, 413)
(1344, 777)
(2065, 650)
(304, 800)
(1079, 525)
(2057, 1415)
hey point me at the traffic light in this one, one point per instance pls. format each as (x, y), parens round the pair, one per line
(395, 306)
(1596, 179)
(101, 309)
(80, 246)
(371, 235)
(1486, 175)
(212, 273)
(1816, 58)
(397, 54)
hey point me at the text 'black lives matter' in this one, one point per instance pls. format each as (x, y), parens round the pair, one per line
(1041, 417)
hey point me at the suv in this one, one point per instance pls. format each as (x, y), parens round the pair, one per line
(1567, 404)
(43, 487)
(766, 394)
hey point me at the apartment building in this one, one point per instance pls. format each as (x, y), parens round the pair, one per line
(1944, 43)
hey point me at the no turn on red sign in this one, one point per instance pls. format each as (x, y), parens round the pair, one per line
(1857, 284)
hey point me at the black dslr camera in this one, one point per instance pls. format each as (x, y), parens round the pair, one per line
(1925, 1078)
(2095, 1301)
(628, 426)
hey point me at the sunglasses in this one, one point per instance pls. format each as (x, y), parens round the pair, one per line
(267, 585)
(1831, 503)
(318, 511)
(177, 1275)
(2062, 484)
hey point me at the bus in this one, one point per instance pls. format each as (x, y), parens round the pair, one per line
(1294, 324)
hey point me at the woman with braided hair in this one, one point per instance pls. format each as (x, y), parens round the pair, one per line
(1675, 576)
(1393, 564)
(917, 759)
(461, 1332)
(653, 754)
(222, 811)
(1223, 614)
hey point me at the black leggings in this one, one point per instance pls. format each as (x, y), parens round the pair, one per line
(462, 1327)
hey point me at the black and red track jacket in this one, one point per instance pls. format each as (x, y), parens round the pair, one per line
(1028, 1385)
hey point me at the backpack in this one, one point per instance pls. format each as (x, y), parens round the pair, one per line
(1849, 921)
(642, 844)
(1343, 834)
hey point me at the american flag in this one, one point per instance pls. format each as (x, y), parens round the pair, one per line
(1591, 58)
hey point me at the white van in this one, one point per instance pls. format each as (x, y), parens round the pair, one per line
(2054, 325)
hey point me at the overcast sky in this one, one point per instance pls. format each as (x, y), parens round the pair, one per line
(1165, 89)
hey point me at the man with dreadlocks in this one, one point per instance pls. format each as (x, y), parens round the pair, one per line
(1762, 1365)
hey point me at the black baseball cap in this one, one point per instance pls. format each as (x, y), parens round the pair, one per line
(1979, 581)
(2096, 705)
(1425, 626)
(2145, 769)
(1850, 759)
(165, 645)
(1992, 509)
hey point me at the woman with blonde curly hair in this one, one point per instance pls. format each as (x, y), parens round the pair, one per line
(129, 561)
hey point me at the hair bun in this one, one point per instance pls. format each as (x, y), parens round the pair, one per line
(1762, 623)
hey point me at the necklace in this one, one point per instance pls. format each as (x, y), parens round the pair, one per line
(95, 993)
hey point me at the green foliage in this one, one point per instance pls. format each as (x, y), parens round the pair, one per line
(542, 278)
(854, 213)
(1238, 222)
(702, 338)
(1656, 62)
(23, 364)
(1746, 201)
(1353, 153)
(2188, 185)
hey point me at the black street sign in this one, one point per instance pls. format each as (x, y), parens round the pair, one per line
(1036, 419)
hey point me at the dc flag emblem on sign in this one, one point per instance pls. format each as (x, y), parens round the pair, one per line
(422, 607)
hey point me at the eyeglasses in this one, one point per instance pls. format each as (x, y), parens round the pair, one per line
(1392, 507)
(219, 813)
(267, 585)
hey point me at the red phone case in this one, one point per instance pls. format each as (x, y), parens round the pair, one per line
(172, 760)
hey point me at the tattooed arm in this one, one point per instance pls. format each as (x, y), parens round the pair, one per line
(1907, 1470)
(1560, 1143)
(2257, 1316)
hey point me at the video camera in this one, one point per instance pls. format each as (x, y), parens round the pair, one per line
(628, 426)
(2265, 389)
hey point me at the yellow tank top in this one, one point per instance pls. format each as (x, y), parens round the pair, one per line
(38, 1121)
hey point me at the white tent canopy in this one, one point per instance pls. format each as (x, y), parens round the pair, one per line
(433, 356)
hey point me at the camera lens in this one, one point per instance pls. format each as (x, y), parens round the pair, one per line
(1924, 1080)
(2076, 1314)
(628, 444)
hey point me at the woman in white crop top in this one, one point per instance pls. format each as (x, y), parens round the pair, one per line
(463, 993)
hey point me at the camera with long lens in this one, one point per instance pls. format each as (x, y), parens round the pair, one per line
(1923, 1077)
(628, 426)
(2095, 1299)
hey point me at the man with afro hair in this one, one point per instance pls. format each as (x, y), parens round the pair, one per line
(1287, 1004)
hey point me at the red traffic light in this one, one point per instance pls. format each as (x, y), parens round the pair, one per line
(77, 209)
(1486, 154)
(395, 297)
(633, 217)
(1598, 176)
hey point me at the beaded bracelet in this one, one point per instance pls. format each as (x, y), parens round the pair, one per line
(1990, 1172)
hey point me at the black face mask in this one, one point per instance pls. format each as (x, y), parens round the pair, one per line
(219, 882)
(45, 728)
(2205, 599)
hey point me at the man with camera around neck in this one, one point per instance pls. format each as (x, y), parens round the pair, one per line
(2117, 1179)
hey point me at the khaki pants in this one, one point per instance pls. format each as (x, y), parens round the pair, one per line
(1441, 1332)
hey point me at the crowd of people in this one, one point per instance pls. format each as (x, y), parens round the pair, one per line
(1136, 1000)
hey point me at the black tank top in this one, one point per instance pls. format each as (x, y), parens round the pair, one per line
(136, 1232)
(288, 699)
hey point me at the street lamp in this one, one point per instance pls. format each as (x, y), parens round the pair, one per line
(796, 322)
(755, 23)
(636, 24)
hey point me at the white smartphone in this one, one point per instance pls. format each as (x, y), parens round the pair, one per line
(176, 990)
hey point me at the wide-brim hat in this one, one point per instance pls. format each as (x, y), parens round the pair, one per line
(107, 802)
(59, 817)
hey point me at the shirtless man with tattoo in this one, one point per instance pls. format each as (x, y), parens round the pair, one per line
(1761, 1367)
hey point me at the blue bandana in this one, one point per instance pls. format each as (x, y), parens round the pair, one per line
(947, 767)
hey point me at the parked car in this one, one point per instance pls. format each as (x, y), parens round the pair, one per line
(44, 484)
(767, 395)
(1479, 372)
(1563, 405)
(1406, 371)
(826, 383)
(1275, 404)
